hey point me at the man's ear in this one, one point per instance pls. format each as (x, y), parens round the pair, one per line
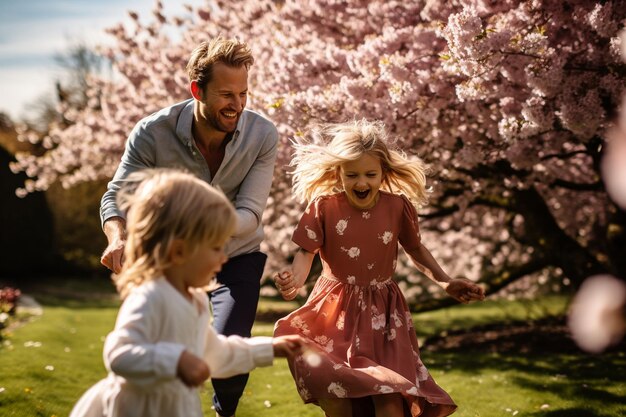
(196, 91)
(178, 252)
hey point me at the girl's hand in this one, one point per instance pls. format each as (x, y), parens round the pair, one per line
(288, 346)
(286, 285)
(464, 290)
(192, 370)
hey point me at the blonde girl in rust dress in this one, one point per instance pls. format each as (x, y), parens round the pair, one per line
(362, 199)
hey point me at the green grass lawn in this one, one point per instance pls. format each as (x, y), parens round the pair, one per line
(46, 364)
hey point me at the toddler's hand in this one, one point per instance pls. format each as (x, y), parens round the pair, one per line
(192, 370)
(288, 346)
(464, 290)
(286, 285)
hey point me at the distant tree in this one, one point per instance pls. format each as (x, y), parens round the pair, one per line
(509, 102)
(77, 64)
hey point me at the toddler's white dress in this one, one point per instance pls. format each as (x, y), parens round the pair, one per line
(154, 325)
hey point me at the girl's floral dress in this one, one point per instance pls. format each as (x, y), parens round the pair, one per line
(356, 314)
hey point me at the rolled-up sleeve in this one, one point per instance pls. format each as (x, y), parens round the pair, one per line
(139, 154)
(255, 189)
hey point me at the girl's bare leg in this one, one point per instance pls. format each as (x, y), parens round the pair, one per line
(336, 407)
(388, 405)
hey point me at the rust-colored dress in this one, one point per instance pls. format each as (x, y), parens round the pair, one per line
(356, 314)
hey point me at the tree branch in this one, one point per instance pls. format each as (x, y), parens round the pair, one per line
(577, 186)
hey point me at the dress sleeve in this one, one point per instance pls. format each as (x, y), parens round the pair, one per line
(234, 355)
(130, 350)
(409, 236)
(309, 233)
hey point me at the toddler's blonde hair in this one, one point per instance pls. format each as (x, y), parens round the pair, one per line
(317, 161)
(163, 205)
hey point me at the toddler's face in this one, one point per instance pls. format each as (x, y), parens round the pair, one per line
(205, 263)
(361, 180)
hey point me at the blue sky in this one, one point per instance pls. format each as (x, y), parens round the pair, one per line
(32, 32)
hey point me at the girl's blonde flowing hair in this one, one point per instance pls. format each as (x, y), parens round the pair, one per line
(317, 161)
(163, 205)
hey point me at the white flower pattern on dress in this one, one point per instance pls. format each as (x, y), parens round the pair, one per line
(366, 214)
(422, 372)
(384, 389)
(412, 391)
(340, 320)
(302, 390)
(332, 298)
(397, 319)
(297, 323)
(386, 237)
(337, 389)
(351, 279)
(341, 226)
(353, 252)
(310, 234)
(409, 319)
(378, 320)
(325, 342)
(370, 266)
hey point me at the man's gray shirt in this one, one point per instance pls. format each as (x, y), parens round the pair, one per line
(164, 140)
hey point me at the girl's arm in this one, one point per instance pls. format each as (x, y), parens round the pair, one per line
(291, 280)
(462, 290)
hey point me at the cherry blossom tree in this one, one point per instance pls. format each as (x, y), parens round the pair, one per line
(507, 101)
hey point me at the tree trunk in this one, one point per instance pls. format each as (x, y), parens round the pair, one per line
(552, 243)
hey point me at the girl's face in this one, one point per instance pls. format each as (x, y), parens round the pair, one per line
(203, 264)
(361, 180)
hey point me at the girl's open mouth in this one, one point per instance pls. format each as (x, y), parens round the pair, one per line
(362, 194)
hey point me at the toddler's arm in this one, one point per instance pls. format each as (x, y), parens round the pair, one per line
(291, 280)
(462, 290)
(234, 355)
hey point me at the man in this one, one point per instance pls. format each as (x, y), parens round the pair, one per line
(216, 139)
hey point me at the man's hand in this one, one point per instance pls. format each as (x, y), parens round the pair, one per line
(192, 370)
(113, 255)
(465, 290)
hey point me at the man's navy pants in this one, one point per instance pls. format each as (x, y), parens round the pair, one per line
(234, 307)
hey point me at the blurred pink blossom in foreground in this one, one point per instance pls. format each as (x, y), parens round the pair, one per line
(596, 318)
(614, 161)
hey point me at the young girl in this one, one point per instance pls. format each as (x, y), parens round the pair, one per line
(362, 198)
(177, 227)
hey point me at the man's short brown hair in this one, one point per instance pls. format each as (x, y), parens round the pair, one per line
(231, 52)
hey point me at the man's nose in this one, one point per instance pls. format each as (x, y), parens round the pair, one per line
(239, 103)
